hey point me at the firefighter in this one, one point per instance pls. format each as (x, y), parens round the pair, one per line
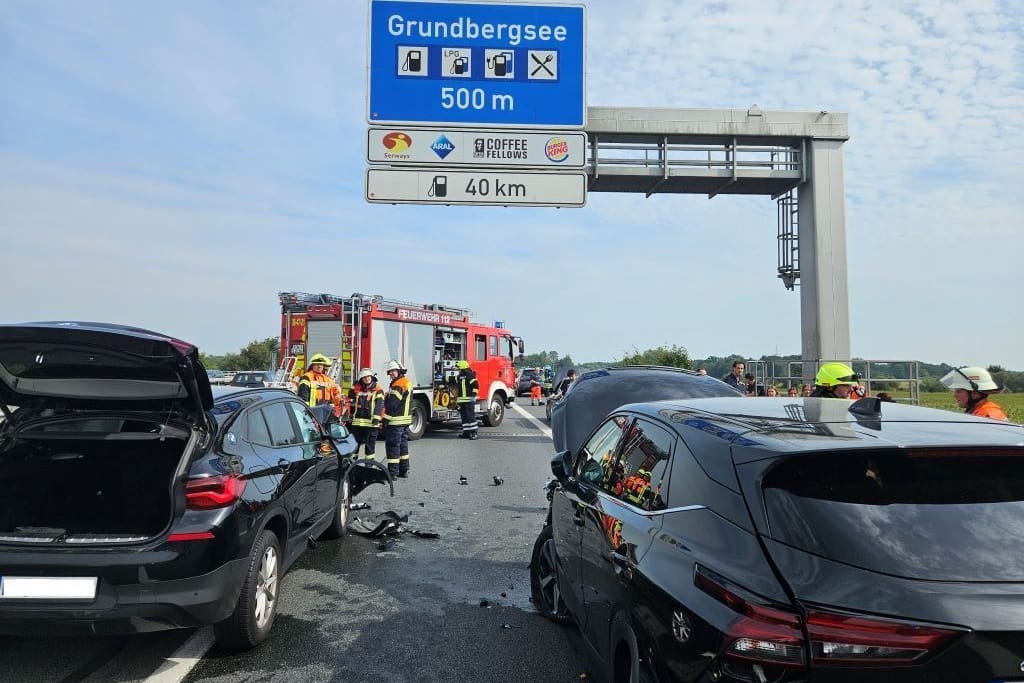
(834, 380)
(367, 400)
(468, 388)
(396, 418)
(971, 389)
(319, 391)
(549, 380)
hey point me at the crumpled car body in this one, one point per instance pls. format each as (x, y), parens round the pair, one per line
(596, 393)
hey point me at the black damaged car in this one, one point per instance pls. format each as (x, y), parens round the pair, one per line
(137, 500)
(784, 540)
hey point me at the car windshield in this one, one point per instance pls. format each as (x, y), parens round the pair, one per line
(938, 514)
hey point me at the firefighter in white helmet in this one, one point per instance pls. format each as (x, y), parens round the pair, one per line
(971, 388)
(396, 419)
(367, 401)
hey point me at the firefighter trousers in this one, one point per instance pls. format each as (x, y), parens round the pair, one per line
(366, 437)
(467, 410)
(396, 445)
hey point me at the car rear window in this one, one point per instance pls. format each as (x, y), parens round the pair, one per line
(940, 514)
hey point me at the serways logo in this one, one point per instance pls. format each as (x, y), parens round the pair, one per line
(397, 143)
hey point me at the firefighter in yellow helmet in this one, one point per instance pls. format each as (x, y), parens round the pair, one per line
(367, 401)
(396, 418)
(468, 389)
(319, 391)
(834, 380)
(971, 388)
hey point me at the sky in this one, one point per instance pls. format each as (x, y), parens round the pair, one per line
(175, 165)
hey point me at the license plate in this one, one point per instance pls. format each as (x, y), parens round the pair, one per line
(47, 588)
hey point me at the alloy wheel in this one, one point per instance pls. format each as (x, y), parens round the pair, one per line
(266, 587)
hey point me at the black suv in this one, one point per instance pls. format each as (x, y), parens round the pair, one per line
(135, 500)
(788, 540)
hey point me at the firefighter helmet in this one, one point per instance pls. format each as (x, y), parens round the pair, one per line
(971, 379)
(365, 372)
(393, 365)
(320, 358)
(462, 365)
(834, 374)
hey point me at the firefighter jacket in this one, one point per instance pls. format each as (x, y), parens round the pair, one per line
(317, 389)
(988, 408)
(468, 386)
(367, 404)
(398, 403)
(637, 489)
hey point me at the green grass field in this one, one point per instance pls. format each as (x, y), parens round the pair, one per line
(1012, 404)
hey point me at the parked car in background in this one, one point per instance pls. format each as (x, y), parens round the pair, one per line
(137, 499)
(526, 376)
(788, 540)
(252, 378)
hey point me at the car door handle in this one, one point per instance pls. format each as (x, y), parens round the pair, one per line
(621, 564)
(283, 465)
(577, 518)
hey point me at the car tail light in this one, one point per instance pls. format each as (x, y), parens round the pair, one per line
(190, 536)
(763, 633)
(207, 493)
(846, 639)
(770, 635)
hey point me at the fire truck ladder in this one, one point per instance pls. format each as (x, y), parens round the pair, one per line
(352, 339)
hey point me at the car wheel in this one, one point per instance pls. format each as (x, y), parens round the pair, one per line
(624, 657)
(339, 525)
(250, 623)
(496, 411)
(544, 584)
(547, 409)
(420, 416)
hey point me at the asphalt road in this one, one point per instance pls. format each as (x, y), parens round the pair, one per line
(416, 609)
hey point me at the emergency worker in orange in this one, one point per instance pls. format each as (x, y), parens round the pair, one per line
(971, 388)
(367, 401)
(535, 388)
(396, 418)
(319, 391)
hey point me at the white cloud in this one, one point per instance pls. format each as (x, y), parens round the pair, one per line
(177, 165)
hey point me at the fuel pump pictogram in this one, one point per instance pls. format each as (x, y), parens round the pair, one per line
(500, 63)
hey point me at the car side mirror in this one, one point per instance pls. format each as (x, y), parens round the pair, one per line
(562, 466)
(337, 431)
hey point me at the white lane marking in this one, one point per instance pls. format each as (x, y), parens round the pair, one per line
(540, 425)
(184, 659)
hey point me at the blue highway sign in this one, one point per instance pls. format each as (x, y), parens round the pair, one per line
(465, 64)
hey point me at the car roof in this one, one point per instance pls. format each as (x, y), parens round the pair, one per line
(755, 424)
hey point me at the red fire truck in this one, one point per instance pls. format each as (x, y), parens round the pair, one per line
(362, 331)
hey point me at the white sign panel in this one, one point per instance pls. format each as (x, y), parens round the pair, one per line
(448, 147)
(491, 188)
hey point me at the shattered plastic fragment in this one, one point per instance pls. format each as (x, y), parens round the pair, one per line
(498, 481)
(463, 481)
(485, 603)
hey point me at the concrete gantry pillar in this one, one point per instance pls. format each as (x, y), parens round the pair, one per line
(824, 302)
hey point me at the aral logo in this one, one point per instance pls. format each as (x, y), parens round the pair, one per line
(557, 149)
(443, 147)
(397, 144)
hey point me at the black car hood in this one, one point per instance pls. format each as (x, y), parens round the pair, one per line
(597, 393)
(99, 366)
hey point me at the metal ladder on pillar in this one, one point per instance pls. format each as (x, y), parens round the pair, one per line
(789, 239)
(352, 340)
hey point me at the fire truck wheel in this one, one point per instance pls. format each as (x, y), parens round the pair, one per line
(496, 412)
(420, 415)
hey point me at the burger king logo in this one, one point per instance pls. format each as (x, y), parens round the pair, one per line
(557, 149)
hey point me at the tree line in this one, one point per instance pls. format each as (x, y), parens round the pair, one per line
(262, 355)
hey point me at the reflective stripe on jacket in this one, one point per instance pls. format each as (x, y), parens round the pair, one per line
(468, 387)
(316, 388)
(398, 403)
(367, 405)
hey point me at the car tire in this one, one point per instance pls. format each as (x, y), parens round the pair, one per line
(624, 664)
(420, 416)
(250, 623)
(548, 405)
(496, 412)
(342, 506)
(545, 586)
